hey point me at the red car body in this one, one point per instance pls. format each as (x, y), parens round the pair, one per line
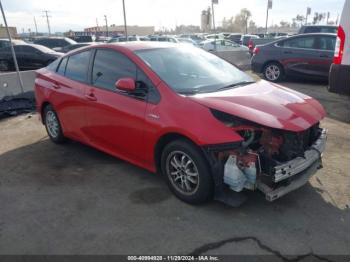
(136, 131)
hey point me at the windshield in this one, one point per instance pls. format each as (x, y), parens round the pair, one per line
(191, 70)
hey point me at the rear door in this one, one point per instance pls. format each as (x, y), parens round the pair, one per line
(299, 55)
(116, 119)
(326, 47)
(70, 86)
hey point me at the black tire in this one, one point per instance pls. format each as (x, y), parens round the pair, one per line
(273, 72)
(203, 190)
(56, 137)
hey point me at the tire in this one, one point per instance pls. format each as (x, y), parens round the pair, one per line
(53, 125)
(180, 172)
(273, 72)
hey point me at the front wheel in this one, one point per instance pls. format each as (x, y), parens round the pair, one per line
(186, 172)
(273, 72)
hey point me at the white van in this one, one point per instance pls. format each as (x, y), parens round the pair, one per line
(339, 76)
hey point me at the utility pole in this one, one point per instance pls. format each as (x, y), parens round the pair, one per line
(106, 25)
(212, 10)
(36, 27)
(125, 27)
(12, 49)
(269, 6)
(308, 12)
(47, 21)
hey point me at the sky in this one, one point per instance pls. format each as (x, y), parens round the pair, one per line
(79, 14)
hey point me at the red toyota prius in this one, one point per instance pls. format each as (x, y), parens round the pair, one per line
(209, 128)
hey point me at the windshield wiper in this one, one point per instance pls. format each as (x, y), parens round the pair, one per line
(243, 83)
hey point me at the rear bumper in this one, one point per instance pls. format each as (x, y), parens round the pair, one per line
(293, 174)
(339, 78)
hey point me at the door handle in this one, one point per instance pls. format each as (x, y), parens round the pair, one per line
(91, 97)
(288, 52)
(326, 56)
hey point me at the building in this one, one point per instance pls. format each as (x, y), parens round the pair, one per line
(118, 30)
(3, 32)
(206, 20)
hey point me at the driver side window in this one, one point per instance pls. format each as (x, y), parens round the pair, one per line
(109, 66)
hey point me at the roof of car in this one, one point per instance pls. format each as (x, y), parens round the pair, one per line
(142, 45)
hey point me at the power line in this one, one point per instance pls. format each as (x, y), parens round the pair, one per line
(47, 20)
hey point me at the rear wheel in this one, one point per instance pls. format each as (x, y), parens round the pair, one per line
(273, 72)
(187, 173)
(53, 126)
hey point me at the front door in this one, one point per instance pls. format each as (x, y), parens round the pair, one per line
(115, 118)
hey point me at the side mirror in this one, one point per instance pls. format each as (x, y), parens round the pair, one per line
(126, 84)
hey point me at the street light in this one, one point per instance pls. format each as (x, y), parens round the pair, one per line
(212, 10)
(125, 28)
(12, 49)
(269, 6)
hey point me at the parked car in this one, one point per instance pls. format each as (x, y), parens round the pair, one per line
(29, 57)
(234, 37)
(308, 55)
(123, 39)
(198, 120)
(253, 42)
(194, 37)
(84, 38)
(246, 38)
(163, 38)
(339, 76)
(233, 53)
(215, 36)
(6, 42)
(55, 43)
(308, 29)
(186, 41)
(69, 48)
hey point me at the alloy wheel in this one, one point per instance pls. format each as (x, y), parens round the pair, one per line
(182, 172)
(272, 72)
(52, 124)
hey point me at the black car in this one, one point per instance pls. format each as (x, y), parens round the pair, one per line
(29, 57)
(308, 29)
(56, 43)
(308, 55)
(69, 48)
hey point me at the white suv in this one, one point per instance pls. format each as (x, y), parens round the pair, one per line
(339, 77)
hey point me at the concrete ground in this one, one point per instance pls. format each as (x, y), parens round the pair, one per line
(72, 199)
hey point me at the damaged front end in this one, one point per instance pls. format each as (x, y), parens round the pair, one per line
(273, 161)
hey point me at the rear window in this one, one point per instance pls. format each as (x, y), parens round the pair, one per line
(300, 42)
(77, 66)
(319, 29)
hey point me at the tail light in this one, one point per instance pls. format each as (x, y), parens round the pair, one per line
(256, 50)
(339, 46)
(250, 44)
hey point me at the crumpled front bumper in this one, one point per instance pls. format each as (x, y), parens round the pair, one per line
(295, 173)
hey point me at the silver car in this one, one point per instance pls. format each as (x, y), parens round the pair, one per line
(232, 52)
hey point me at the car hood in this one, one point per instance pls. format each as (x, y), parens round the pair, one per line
(267, 104)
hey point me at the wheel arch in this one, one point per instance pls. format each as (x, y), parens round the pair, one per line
(163, 141)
